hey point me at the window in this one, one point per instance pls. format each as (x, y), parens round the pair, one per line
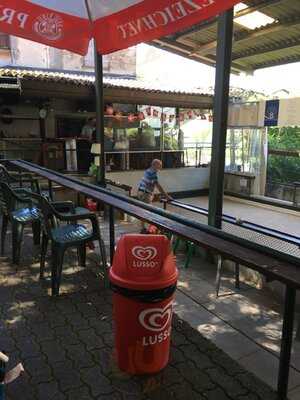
(4, 41)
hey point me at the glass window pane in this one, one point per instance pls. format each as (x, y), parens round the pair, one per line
(149, 132)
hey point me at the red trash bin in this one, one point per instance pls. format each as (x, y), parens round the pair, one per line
(143, 278)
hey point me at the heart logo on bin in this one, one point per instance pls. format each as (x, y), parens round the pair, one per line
(144, 253)
(156, 319)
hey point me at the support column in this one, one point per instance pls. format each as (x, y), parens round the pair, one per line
(100, 113)
(286, 342)
(221, 101)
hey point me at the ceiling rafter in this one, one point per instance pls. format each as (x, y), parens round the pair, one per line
(279, 61)
(210, 47)
(284, 44)
(185, 51)
(206, 24)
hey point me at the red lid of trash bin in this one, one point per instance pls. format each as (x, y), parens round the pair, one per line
(143, 262)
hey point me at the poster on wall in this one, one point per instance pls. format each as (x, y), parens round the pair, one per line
(289, 112)
(245, 114)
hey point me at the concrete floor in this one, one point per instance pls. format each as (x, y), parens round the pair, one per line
(245, 323)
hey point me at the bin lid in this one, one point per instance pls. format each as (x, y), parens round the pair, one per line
(143, 262)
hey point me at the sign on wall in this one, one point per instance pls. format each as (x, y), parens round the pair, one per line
(271, 113)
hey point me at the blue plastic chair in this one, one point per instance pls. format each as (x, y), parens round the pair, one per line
(64, 231)
(17, 209)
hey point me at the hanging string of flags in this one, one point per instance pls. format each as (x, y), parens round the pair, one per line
(165, 117)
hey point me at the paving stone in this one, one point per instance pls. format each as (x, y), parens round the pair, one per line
(79, 356)
(42, 331)
(201, 360)
(100, 325)
(170, 376)
(90, 339)
(77, 321)
(192, 374)
(185, 392)
(250, 396)
(81, 393)
(179, 339)
(49, 391)
(67, 376)
(56, 320)
(262, 390)
(8, 345)
(66, 335)
(108, 339)
(225, 362)
(66, 307)
(176, 356)
(98, 383)
(230, 385)
(28, 348)
(38, 367)
(87, 309)
(21, 389)
(218, 394)
(53, 350)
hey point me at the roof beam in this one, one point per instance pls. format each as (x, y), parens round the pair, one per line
(286, 44)
(208, 23)
(210, 48)
(280, 61)
(185, 51)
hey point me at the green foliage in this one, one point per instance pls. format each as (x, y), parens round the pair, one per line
(284, 169)
(284, 138)
(93, 170)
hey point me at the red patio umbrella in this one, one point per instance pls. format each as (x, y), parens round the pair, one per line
(114, 24)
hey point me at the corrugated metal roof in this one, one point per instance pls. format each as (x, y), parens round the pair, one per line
(269, 45)
(87, 79)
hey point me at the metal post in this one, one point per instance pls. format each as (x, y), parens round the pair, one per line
(111, 233)
(221, 101)
(100, 113)
(50, 188)
(286, 342)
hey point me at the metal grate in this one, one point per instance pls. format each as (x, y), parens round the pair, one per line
(251, 235)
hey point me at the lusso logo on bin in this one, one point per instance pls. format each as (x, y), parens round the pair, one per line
(156, 320)
(144, 256)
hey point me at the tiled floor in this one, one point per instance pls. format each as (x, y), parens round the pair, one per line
(66, 343)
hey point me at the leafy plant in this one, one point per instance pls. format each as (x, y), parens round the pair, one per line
(284, 169)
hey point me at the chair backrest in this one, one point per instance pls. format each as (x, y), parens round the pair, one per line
(5, 176)
(47, 212)
(26, 183)
(8, 201)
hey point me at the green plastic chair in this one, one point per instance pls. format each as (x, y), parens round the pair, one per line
(20, 181)
(64, 231)
(190, 250)
(17, 209)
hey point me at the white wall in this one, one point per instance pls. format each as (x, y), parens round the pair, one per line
(173, 180)
(30, 54)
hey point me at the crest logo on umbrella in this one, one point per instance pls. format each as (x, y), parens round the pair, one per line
(49, 26)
